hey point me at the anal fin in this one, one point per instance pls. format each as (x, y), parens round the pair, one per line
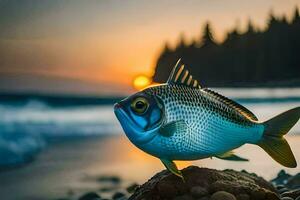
(171, 166)
(231, 156)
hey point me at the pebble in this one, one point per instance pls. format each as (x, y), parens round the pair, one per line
(198, 191)
(282, 190)
(118, 195)
(287, 198)
(292, 193)
(222, 195)
(293, 182)
(90, 196)
(281, 178)
(278, 187)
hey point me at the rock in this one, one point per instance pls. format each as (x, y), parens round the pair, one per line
(281, 178)
(118, 195)
(293, 182)
(278, 187)
(166, 190)
(205, 198)
(165, 185)
(243, 197)
(287, 198)
(258, 194)
(272, 196)
(222, 195)
(198, 191)
(282, 190)
(184, 197)
(90, 196)
(131, 188)
(292, 193)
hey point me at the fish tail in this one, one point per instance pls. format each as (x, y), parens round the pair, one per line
(273, 141)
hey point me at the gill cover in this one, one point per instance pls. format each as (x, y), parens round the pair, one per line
(140, 116)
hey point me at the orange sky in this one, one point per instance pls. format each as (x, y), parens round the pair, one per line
(112, 41)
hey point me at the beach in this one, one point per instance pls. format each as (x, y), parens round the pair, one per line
(71, 168)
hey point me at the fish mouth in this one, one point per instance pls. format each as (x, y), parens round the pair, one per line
(121, 114)
(117, 106)
(131, 128)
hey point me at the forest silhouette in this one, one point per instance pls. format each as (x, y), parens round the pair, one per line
(254, 58)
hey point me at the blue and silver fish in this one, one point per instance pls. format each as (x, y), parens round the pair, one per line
(179, 120)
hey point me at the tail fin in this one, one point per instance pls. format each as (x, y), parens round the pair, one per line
(274, 143)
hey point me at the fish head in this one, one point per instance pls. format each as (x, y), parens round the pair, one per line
(140, 116)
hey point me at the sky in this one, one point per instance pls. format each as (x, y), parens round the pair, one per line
(112, 41)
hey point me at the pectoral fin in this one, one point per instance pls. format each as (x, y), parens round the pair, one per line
(170, 128)
(171, 166)
(231, 156)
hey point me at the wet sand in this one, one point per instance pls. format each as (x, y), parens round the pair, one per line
(70, 168)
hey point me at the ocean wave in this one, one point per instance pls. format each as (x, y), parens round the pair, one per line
(25, 130)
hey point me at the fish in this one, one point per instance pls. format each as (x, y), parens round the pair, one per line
(180, 120)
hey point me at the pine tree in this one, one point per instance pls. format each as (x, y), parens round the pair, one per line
(250, 27)
(166, 48)
(182, 42)
(256, 57)
(296, 17)
(207, 36)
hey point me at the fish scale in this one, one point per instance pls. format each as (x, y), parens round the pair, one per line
(208, 120)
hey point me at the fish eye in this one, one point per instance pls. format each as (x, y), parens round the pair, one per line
(139, 105)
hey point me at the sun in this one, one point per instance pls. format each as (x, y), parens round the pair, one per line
(141, 81)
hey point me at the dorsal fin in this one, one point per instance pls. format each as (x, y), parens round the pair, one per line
(181, 76)
(241, 109)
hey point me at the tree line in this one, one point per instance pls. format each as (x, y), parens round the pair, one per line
(269, 57)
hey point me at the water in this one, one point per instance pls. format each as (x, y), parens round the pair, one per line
(29, 126)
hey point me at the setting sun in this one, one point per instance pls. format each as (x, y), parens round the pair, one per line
(141, 82)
